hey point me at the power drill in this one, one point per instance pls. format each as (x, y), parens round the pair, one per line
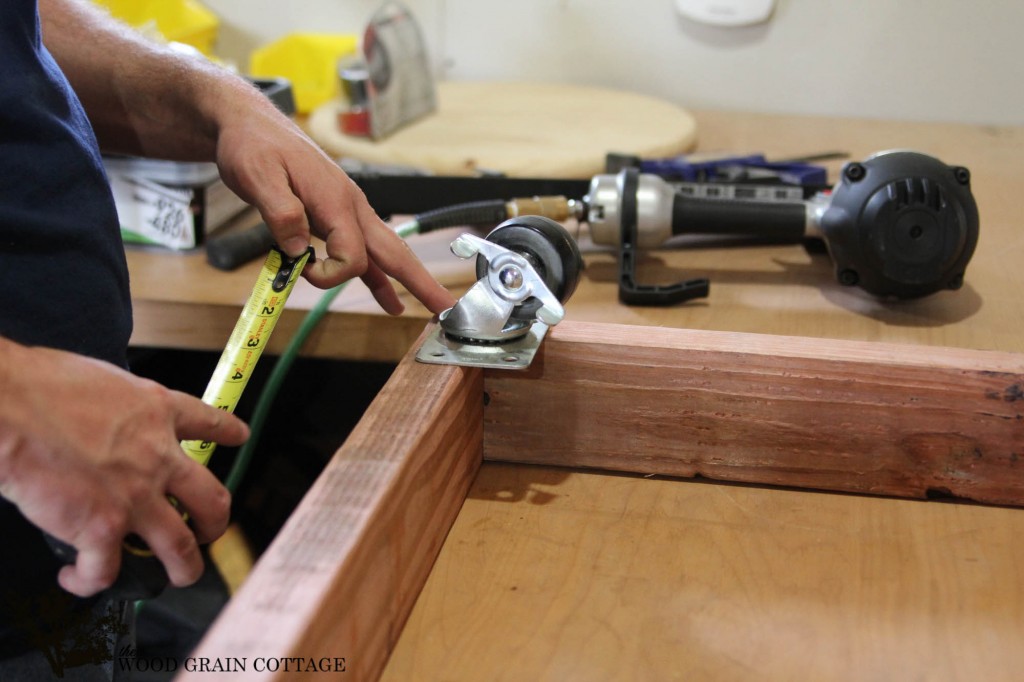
(900, 224)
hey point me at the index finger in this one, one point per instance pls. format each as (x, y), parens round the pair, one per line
(195, 420)
(395, 257)
(356, 237)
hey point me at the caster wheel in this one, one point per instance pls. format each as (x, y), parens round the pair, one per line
(550, 249)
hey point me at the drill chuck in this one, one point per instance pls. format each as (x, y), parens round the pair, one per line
(654, 201)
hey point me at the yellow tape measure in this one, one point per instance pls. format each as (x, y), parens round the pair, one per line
(249, 338)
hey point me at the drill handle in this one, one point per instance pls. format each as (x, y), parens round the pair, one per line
(785, 222)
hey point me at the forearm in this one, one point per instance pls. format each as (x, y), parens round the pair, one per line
(142, 98)
(11, 412)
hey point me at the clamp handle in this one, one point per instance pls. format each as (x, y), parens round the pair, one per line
(630, 292)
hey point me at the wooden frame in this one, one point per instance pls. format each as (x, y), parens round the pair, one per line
(343, 574)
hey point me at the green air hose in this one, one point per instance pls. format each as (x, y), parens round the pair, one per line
(281, 369)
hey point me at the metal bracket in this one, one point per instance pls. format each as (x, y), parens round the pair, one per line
(440, 349)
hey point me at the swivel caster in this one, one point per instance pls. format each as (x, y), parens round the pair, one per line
(527, 268)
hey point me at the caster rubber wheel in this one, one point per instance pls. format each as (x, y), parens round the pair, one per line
(550, 249)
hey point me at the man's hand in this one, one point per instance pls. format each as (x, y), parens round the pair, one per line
(147, 100)
(299, 190)
(89, 453)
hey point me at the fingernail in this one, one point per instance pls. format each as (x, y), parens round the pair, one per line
(294, 246)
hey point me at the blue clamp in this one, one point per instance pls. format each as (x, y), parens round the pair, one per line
(751, 168)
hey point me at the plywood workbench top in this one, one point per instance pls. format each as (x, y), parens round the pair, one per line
(754, 288)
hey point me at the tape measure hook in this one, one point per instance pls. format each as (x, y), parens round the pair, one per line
(288, 266)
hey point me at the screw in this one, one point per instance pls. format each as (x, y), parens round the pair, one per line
(855, 172)
(511, 278)
(848, 278)
(962, 175)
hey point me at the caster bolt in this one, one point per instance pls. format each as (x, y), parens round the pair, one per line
(511, 278)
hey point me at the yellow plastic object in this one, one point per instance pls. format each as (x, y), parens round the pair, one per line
(182, 21)
(309, 61)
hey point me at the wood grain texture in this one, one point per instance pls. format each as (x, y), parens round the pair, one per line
(536, 130)
(342, 575)
(832, 415)
(554, 575)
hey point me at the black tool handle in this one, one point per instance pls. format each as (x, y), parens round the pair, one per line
(778, 221)
(142, 575)
(238, 248)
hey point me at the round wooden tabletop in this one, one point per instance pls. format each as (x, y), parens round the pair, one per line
(520, 130)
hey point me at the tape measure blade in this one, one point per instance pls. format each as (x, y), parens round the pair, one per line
(249, 337)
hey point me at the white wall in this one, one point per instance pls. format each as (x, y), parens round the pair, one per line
(943, 60)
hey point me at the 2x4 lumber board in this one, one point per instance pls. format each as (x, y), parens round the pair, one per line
(862, 417)
(340, 578)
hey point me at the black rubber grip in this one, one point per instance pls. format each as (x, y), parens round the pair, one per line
(238, 248)
(780, 221)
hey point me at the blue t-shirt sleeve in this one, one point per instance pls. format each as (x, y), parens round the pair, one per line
(62, 263)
